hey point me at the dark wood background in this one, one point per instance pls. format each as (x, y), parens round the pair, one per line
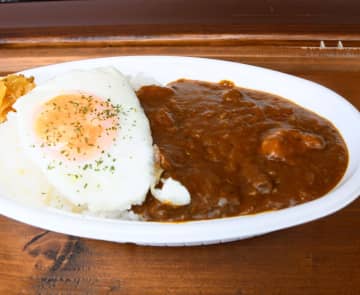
(321, 257)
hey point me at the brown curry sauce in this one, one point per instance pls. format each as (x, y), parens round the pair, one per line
(238, 151)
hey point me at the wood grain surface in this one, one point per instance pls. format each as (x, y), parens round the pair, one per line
(59, 23)
(114, 12)
(321, 257)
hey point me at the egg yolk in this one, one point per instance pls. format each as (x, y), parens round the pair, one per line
(77, 126)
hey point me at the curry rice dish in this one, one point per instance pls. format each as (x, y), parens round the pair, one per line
(211, 150)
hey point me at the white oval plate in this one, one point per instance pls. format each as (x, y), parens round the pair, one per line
(165, 69)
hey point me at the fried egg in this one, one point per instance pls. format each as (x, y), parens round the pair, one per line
(88, 134)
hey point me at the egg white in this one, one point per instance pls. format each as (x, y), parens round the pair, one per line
(130, 156)
(20, 179)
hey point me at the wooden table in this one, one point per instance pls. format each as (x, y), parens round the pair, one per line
(322, 257)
